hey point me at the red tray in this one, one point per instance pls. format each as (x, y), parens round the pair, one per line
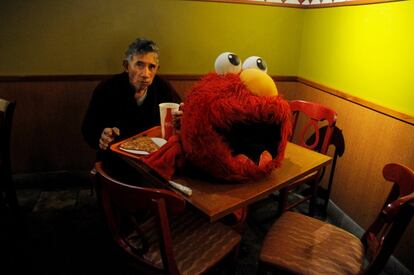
(152, 132)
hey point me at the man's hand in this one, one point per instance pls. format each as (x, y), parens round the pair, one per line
(176, 118)
(108, 135)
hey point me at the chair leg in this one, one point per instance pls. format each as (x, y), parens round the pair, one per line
(12, 200)
(325, 207)
(3, 205)
(11, 197)
(313, 198)
(283, 200)
(240, 224)
(92, 180)
(261, 270)
(327, 194)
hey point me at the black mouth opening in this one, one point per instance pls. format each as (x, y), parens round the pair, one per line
(251, 139)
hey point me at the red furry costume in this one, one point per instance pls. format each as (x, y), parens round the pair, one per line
(227, 131)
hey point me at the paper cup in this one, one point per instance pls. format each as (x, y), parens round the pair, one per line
(166, 109)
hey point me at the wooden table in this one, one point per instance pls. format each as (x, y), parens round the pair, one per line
(217, 199)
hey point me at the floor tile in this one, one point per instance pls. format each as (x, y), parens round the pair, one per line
(55, 200)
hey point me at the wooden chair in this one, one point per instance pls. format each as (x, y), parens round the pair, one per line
(300, 244)
(155, 228)
(315, 116)
(8, 198)
(337, 143)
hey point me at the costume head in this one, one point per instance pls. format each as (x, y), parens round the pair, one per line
(235, 125)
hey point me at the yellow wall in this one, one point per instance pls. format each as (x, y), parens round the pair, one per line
(89, 37)
(366, 51)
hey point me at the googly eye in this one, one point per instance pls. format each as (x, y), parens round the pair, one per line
(227, 62)
(255, 62)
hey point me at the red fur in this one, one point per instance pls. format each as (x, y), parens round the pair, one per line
(220, 100)
(217, 101)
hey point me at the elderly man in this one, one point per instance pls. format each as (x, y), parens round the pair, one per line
(127, 103)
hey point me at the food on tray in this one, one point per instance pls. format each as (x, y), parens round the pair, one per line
(142, 143)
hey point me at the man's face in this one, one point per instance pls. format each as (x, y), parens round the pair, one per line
(141, 70)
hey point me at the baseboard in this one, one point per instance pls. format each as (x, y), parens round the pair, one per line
(341, 219)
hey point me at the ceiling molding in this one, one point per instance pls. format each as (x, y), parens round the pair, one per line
(303, 4)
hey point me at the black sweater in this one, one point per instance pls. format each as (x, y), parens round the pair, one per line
(113, 105)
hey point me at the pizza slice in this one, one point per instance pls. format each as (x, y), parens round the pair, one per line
(142, 143)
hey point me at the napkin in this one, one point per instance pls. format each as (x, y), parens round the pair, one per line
(167, 158)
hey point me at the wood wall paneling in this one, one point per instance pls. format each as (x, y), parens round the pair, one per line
(46, 137)
(371, 141)
(46, 132)
(46, 127)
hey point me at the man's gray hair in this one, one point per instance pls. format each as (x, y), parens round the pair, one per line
(141, 46)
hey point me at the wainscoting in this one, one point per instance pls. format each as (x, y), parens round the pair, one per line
(372, 139)
(46, 137)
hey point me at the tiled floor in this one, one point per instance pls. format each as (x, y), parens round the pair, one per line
(62, 231)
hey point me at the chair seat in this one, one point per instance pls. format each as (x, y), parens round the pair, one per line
(303, 245)
(198, 244)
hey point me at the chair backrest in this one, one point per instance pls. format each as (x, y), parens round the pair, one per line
(337, 141)
(317, 116)
(6, 182)
(384, 233)
(6, 119)
(124, 204)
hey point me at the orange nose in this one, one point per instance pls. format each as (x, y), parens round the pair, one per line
(258, 82)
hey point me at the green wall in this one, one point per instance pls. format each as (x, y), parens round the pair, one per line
(366, 51)
(89, 37)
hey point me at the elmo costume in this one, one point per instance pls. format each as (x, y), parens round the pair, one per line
(234, 125)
